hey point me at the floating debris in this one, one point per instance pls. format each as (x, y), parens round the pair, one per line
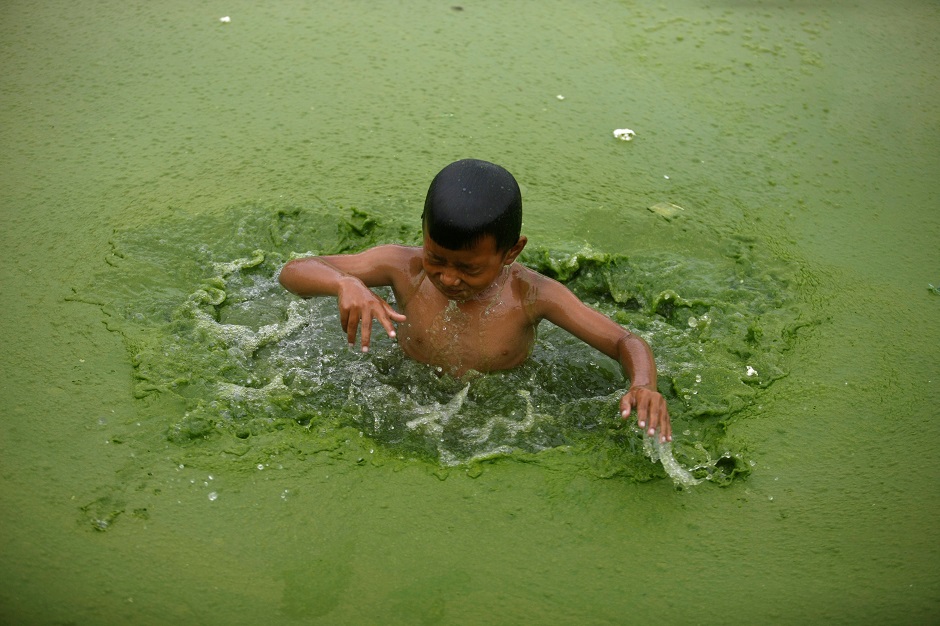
(667, 210)
(624, 134)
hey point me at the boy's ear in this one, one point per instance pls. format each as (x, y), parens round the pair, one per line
(514, 251)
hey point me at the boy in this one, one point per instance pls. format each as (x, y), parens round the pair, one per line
(465, 304)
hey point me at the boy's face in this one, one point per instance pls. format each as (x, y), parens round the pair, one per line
(465, 274)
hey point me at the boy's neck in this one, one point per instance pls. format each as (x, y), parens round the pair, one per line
(491, 292)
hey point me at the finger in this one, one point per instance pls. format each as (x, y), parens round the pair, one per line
(386, 320)
(395, 315)
(352, 325)
(626, 405)
(366, 332)
(640, 404)
(659, 420)
(666, 429)
(652, 413)
(643, 414)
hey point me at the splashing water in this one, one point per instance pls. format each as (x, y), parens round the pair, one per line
(246, 357)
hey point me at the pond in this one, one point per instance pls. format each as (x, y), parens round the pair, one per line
(184, 440)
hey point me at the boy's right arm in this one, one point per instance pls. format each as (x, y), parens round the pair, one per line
(348, 277)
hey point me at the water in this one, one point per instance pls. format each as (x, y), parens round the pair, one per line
(145, 144)
(245, 357)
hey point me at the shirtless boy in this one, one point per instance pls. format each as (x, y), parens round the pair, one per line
(465, 304)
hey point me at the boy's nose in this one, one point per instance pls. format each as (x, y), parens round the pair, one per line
(449, 279)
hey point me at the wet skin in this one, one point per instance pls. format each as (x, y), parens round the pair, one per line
(472, 309)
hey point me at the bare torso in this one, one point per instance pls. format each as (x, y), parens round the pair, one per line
(488, 321)
(491, 332)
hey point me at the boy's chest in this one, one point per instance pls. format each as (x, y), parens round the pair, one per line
(483, 336)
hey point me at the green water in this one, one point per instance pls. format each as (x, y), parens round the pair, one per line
(154, 469)
(212, 331)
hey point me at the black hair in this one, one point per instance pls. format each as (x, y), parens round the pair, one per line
(470, 199)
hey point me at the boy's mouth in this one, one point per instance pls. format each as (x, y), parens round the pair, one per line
(452, 293)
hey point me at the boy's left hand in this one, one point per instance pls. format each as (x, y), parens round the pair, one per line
(651, 411)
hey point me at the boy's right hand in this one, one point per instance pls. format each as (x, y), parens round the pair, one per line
(357, 303)
(651, 411)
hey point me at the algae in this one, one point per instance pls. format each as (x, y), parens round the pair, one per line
(208, 327)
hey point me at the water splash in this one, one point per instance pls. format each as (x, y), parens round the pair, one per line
(210, 325)
(434, 418)
(662, 452)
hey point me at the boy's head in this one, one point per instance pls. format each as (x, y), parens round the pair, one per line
(470, 199)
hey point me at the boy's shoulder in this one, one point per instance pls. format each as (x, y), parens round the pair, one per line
(395, 249)
(529, 278)
(528, 287)
(540, 294)
(393, 253)
(396, 257)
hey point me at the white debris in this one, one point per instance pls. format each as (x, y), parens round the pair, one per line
(225, 20)
(751, 371)
(624, 134)
(669, 211)
(560, 97)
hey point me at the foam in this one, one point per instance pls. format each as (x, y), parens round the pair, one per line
(245, 356)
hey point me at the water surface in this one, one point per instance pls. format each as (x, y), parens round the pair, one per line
(801, 142)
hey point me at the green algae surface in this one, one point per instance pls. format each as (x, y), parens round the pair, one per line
(209, 330)
(180, 439)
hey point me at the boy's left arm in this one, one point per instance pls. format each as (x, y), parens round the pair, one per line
(557, 304)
